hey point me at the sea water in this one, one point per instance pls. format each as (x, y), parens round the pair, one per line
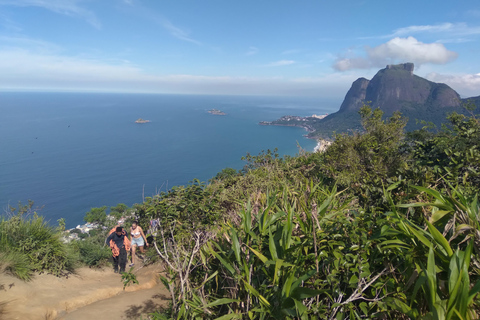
(69, 152)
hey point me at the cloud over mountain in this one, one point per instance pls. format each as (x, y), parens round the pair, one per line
(398, 50)
(467, 84)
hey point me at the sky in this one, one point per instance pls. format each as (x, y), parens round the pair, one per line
(271, 47)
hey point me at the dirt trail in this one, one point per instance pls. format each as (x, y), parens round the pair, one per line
(88, 294)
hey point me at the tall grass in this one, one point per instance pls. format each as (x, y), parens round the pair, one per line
(30, 244)
(15, 263)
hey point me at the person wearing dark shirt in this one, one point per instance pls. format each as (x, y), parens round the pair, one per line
(120, 244)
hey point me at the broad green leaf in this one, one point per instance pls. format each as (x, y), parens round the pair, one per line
(301, 293)
(440, 239)
(473, 292)
(259, 255)
(227, 265)
(301, 310)
(288, 285)
(219, 302)
(256, 294)
(181, 311)
(236, 245)
(230, 316)
(271, 245)
(455, 293)
(419, 234)
(437, 195)
(439, 214)
(431, 277)
(393, 244)
(393, 186)
(363, 307)
(206, 280)
(278, 265)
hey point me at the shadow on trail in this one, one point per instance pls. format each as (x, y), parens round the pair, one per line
(148, 306)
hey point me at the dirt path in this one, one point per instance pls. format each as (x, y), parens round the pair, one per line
(89, 294)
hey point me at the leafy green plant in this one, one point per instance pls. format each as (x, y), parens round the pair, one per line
(442, 268)
(96, 215)
(92, 252)
(129, 278)
(366, 160)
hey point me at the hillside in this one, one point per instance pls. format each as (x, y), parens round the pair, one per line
(381, 217)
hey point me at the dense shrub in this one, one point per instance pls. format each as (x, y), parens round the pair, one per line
(40, 243)
(16, 263)
(92, 253)
(400, 241)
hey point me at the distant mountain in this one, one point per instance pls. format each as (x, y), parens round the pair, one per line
(394, 88)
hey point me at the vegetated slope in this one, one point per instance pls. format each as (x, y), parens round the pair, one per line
(380, 226)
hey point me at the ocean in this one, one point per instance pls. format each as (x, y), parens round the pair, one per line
(69, 152)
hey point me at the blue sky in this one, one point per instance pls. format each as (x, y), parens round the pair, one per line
(297, 48)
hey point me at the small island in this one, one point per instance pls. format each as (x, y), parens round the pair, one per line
(216, 112)
(140, 120)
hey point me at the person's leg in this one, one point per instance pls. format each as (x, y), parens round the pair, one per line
(141, 252)
(115, 264)
(122, 259)
(134, 246)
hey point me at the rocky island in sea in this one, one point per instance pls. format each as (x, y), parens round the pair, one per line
(140, 120)
(216, 112)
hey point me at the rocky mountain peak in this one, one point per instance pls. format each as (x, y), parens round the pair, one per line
(396, 88)
(409, 66)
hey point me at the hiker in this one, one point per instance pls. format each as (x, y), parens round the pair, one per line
(120, 244)
(153, 227)
(137, 238)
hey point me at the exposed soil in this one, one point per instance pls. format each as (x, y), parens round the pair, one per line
(89, 294)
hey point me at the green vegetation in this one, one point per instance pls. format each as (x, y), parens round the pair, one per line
(28, 244)
(383, 225)
(96, 215)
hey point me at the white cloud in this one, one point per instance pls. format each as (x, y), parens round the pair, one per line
(406, 31)
(474, 13)
(448, 31)
(467, 85)
(252, 51)
(36, 45)
(9, 24)
(174, 30)
(65, 7)
(22, 69)
(410, 49)
(177, 32)
(22, 64)
(398, 50)
(447, 28)
(280, 63)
